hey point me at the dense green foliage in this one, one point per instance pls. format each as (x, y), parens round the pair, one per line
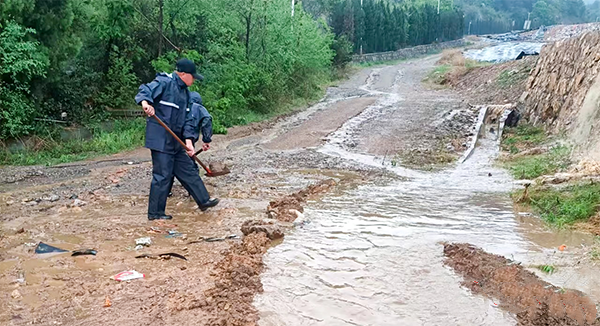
(593, 11)
(72, 62)
(124, 135)
(499, 16)
(81, 58)
(380, 26)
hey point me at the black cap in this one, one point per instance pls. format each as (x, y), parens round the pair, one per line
(188, 66)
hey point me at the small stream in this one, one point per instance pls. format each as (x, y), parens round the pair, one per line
(373, 255)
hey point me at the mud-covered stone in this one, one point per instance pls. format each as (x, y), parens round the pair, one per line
(289, 208)
(272, 230)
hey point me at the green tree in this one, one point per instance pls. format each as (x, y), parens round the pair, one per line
(20, 62)
(544, 14)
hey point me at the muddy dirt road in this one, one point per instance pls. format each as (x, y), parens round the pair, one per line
(364, 252)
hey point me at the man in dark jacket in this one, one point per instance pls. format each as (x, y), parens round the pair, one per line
(167, 96)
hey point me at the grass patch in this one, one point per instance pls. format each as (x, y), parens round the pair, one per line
(508, 78)
(424, 160)
(531, 167)
(566, 205)
(548, 269)
(522, 137)
(48, 149)
(438, 74)
(451, 67)
(526, 136)
(125, 135)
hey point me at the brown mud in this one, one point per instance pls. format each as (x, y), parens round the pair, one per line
(517, 290)
(237, 279)
(288, 208)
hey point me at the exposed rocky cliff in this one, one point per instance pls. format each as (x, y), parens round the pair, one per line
(563, 91)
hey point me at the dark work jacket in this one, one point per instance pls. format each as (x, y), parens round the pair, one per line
(169, 96)
(198, 121)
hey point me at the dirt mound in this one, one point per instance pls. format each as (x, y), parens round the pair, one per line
(288, 208)
(496, 84)
(452, 57)
(237, 275)
(534, 301)
(587, 167)
(236, 282)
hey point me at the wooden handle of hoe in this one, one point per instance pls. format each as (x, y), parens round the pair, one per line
(182, 143)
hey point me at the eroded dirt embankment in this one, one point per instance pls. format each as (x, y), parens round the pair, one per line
(515, 289)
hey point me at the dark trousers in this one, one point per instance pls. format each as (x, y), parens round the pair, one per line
(164, 168)
(173, 178)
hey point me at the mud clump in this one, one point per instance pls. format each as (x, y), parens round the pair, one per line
(534, 301)
(237, 280)
(271, 230)
(289, 208)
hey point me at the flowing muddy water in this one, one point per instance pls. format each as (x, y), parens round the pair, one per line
(373, 255)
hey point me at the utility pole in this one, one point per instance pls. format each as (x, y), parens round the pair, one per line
(293, 7)
(361, 37)
(469, 32)
(161, 4)
(439, 7)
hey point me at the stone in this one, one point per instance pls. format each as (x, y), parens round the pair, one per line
(78, 203)
(272, 230)
(16, 295)
(51, 198)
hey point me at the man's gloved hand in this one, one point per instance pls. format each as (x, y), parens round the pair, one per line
(190, 147)
(149, 109)
(205, 146)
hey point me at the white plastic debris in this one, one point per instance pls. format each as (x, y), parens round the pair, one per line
(128, 275)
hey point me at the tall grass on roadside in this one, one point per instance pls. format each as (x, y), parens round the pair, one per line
(533, 166)
(451, 66)
(567, 205)
(522, 137)
(125, 135)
